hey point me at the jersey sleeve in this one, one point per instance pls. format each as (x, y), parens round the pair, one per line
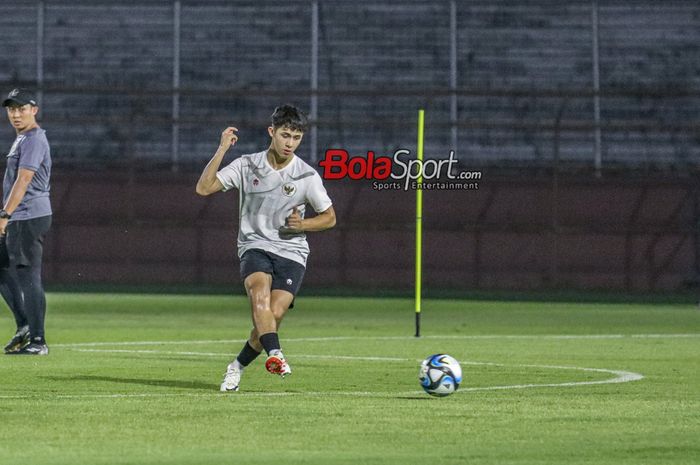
(231, 175)
(32, 153)
(317, 196)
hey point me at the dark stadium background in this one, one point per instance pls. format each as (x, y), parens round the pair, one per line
(583, 116)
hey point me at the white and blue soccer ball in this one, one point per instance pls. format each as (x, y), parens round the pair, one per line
(440, 375)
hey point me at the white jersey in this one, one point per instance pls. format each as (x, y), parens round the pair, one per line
(267, 197)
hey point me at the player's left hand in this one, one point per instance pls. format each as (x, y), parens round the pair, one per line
(3, 226)
(294, 221)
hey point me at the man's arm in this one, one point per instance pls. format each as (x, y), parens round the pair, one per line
(322, 221)
(208, 182)
(19, 188)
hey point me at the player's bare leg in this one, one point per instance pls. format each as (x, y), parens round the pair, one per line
(257, 286)
(258, 289)
(264, 319)
(280, 302)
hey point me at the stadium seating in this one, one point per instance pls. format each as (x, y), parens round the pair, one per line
(108, 69)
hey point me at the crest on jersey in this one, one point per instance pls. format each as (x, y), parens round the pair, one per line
(256, 181)
(289, 189)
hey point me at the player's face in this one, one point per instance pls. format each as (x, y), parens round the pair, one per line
(21, 116)
(285, 140)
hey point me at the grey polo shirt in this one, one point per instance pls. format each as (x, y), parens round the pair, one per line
(30, 151)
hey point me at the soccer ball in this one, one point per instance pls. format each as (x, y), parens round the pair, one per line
(440, 375)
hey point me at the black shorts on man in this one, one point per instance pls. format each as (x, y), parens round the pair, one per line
(286, 274)
(25, 239)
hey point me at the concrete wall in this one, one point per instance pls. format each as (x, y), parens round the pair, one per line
(515, 232)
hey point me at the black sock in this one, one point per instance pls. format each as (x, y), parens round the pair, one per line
(270, 341)
(247, 355)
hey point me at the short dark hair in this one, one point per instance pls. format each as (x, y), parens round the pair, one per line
(289, 116)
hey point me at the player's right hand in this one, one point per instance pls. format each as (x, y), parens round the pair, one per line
(295, 221)
(228, 137)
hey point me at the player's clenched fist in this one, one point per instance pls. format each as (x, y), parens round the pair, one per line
(228, 137)
(294, 220)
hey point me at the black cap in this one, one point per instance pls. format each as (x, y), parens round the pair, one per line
(20, 97)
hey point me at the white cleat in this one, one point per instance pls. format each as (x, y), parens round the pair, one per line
(277, 365)
(232, 378)
(285, 370)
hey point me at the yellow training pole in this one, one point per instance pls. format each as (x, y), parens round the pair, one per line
(419, 222)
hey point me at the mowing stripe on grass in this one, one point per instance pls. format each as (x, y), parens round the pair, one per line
(223, 354)
(389, 338)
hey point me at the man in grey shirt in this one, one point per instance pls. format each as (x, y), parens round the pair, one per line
(25, 218)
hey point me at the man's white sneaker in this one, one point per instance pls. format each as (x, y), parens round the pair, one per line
(277, 365)
(232, 378)
(33, 348)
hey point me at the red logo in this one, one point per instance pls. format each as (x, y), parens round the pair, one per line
(404, 172)
(337, 166)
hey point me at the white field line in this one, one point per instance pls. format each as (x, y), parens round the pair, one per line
(390, 338)
(619, 377)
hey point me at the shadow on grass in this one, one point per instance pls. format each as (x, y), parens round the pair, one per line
(170, 383)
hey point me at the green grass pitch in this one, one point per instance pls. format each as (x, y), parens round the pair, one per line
(133, 379)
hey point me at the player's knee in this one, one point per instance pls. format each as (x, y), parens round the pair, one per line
(259, 296)
(257, 281)
(256, 287)
(278, 312)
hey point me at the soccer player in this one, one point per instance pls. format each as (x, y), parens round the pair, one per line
(274, 187)
(25, 218)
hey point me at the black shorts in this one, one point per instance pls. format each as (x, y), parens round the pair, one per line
(286, 274)
(23, 242)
